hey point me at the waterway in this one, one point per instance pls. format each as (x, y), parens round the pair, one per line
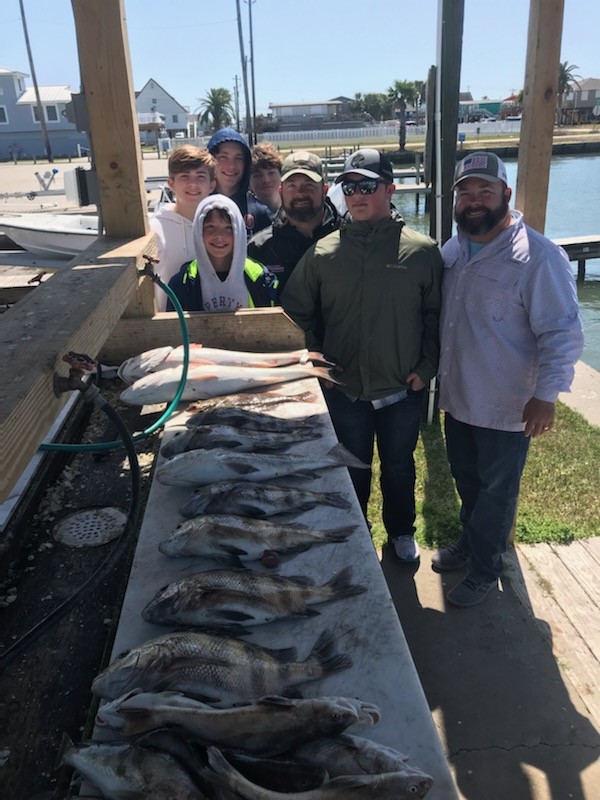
(572, 210)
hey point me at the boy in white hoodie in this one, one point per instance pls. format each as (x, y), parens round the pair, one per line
(191, 179)
(222, 277)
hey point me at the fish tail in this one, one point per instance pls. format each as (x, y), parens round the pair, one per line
(65, 749)
(341, 586)
(328, 659)
(346, 458)
(318, 359)
(229, 776)
(323, 373)
(340, 534)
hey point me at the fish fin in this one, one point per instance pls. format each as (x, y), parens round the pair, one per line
(346, 458)
(228, 560)
(275, 700)
(337, 500)
(306, 473)
(66, 746)
(299, 548)
(233, 616)
(341, 585)
(284, 654)
(247, 510)
(309, 612)
(242, 468)
(230, 549)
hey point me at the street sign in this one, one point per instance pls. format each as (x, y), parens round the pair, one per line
(596, 111)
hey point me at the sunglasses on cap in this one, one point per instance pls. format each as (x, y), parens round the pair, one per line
(364, 186)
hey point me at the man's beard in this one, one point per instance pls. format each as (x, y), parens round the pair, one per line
(481, 225)
(303, 214)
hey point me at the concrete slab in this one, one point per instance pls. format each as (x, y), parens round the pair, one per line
(585, 393)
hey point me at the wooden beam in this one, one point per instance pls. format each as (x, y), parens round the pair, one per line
(539, 108)
(76, 310)
(108, 85)
(256, 330)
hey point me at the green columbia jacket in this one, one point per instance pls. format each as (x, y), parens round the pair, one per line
(368, 297)
(260, 282)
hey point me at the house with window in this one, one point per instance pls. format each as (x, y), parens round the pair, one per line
(153, 99)
(314, 115)
(579, 102)
(20, 128)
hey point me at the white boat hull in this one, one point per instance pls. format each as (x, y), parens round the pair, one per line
(51, 234)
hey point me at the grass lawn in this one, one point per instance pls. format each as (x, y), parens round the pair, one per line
(559, 499)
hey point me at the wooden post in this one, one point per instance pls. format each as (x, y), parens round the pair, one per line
(539, 108)
(106, 76)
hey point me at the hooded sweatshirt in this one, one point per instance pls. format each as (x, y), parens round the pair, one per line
(175, 246)
(256, 215)
(198, 285)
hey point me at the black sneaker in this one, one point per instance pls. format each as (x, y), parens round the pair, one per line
(470, 592)
(450, 559)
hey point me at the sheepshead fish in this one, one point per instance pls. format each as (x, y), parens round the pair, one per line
(213, 380)
(229, 438)
(216, 669)
(257, 500)
(128, 771)
(221, 597)
(201, 467)
(270, 725)
(250, 420)
(344, 754)
(249, 400)
(233, 539)
(161, 358)
(388, 786)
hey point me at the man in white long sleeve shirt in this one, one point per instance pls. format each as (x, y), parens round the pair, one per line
(511, 334)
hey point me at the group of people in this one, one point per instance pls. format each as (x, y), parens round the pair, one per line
(493, 314)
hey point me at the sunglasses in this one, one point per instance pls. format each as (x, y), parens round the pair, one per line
(364, 186)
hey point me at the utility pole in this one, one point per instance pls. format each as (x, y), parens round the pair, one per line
(236, 102)
(254, 137)
(38, 100)
(244, 74)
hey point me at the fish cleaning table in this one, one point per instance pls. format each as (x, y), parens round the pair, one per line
(365, 626)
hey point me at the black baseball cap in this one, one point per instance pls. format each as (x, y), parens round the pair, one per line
(368, 162)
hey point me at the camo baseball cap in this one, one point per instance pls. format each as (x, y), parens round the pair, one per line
(302, 163)
(480, 165)
(368, 162)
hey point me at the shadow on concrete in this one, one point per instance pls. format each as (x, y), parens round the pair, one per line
(503, 711)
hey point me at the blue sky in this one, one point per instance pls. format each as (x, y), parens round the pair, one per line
(304, 49)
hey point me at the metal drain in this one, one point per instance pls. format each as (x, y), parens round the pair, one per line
(90, 527)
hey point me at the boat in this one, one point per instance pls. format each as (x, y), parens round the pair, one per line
(56, 235)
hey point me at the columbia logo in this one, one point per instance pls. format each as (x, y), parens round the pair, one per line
(396, 265)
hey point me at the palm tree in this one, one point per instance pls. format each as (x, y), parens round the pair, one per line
(401, 93)
(217, 107)
(567, 77)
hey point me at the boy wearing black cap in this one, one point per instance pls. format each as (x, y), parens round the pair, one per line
(368, 296)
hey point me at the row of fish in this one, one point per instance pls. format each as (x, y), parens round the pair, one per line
(161, 358)
(226, 718)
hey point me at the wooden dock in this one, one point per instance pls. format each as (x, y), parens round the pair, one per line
(580, 249)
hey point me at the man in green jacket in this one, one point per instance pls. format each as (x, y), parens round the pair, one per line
(368, 297)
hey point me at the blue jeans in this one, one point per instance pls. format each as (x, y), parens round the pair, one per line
(397, 429)
(486, 465)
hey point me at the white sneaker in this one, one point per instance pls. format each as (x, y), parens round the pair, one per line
(406, 548)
